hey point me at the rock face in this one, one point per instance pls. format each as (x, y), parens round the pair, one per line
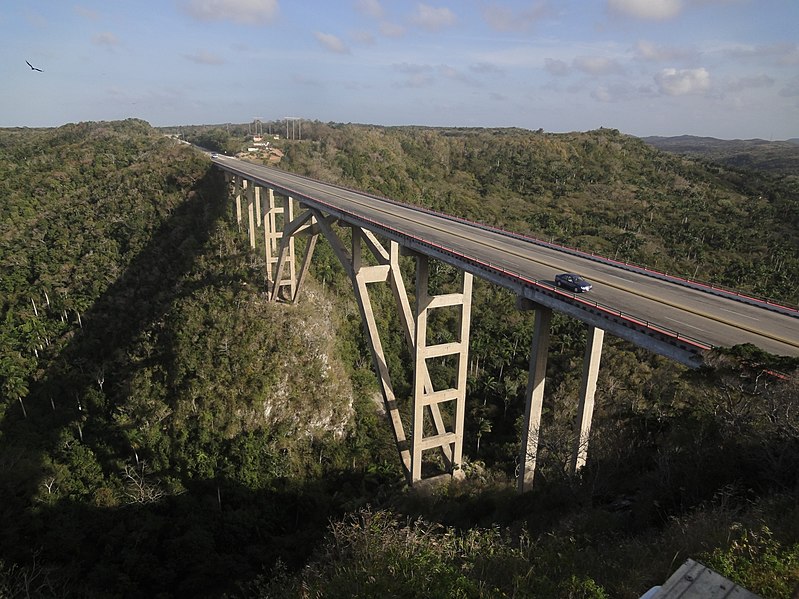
(256, 365)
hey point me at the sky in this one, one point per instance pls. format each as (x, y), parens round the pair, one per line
(720, 68)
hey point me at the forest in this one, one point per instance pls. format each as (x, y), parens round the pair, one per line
(165, 431)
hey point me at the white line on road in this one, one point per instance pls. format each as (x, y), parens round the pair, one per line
(739, 314)
(685, 324)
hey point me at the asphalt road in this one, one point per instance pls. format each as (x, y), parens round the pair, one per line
(713, 320)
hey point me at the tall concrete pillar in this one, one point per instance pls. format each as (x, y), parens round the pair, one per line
(449, 439)
(238, 184)
(585, 408)
(534, 398)
(258, 219)
(279, 259)
(251, 212)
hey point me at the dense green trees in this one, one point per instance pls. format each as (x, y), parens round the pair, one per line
(166, 431)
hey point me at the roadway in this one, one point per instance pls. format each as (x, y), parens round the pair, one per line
(707, 318)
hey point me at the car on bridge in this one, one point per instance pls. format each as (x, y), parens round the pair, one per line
(573, 282)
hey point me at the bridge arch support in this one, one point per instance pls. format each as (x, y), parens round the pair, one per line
(435, 422)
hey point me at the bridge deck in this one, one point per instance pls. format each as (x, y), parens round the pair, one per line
(695, 318)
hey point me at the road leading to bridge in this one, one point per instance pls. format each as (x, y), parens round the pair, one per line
(710, 319)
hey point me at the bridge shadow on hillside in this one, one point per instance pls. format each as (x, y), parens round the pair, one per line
(82, 537)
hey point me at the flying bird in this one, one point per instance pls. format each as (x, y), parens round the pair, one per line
(33, 68)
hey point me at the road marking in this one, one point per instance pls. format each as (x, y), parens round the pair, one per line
(334, 191)
(685, 324)
(739, 314)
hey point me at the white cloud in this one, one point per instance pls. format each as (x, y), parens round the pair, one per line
(750, 83)
(363, 37)
(503, 18)
(486, 68)
(412, 68)
(454, 74)
(391, 29)
(597, 65)
(556, 67)
(679, 82)
(332, 43)
(791, 89)
(87, 13)
(614, 92)
(652, 10)
(649, 52)
(430, 17)
(106, 39)
(783, 54)
(371, 8)
(248, 12)
(204, 57)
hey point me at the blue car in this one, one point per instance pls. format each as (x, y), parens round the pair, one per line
(572, 282)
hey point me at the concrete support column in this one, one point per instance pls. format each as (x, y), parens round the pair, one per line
(534, 398)
(585, 409)
(238, 184)
(448, 439)
(279, 253)
(258, 219)
(251, 213)
(271, 237)
(282, 278)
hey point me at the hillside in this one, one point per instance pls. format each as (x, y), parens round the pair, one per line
(164, 431)
(776, 157)
(599, 191)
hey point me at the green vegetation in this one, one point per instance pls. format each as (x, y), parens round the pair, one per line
(165, 431)
(777, 157)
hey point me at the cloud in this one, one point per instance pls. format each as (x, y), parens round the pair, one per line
(418, 75)
(455, 75)
(203, 57)
(486, 68)
(791, 89)
(750, 83)
(331, 42)
(783, 54)
(649, 52)
(370, 8)
(412, 68)
(680, 82)
(650, 10)
(107, 39)
(87, 13)
(556, 67)
(363, 37)
(247, 12)
(392, 29)
(430, 17)
(612, 93)
(417, 80)
(597, 65)
(503, 18)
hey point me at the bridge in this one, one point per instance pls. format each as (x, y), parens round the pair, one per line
(676, 318)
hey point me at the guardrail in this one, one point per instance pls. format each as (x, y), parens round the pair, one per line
(649, 328)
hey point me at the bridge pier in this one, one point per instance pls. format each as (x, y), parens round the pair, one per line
(585, 408)
(534, 396)
(427, 403)
(449, 439)
(280, 263)
(436, 415)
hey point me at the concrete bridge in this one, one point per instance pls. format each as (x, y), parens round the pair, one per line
(673, 317)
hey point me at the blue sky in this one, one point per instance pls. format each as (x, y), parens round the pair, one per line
(723, 68)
